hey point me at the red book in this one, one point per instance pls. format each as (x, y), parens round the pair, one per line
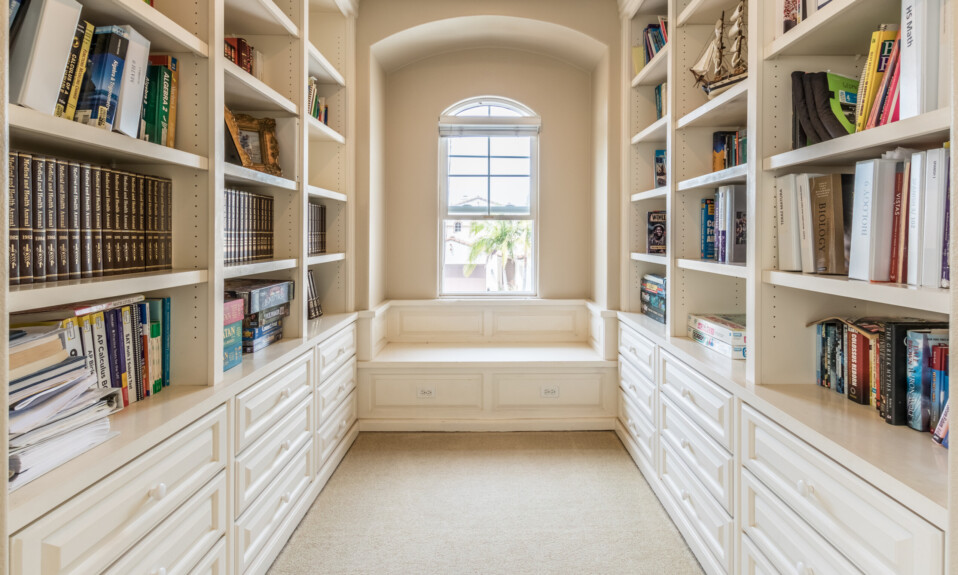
(232, 311)
(889, 111)
(883, 91)
(901, 181)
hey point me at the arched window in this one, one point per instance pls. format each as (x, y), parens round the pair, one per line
(488, 195)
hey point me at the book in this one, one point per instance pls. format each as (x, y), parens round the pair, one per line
(660, 169)
(38, 176)
(728, 149)
(32, 462)
(941, 431)
(154, 126)
(707, 231)
(86, 221)
(884, 95)
(263, 317)
(727, 328)
(894, 364)
(932, 214)
(721, 206)
(871, 235)
(945, 242)
(258, 295)
(828, 224)
(40, 51)
(119, 378)
(13, 232)
(652, 312)
(835, 98)
(732, 351)
(914, 221)
(160, 312)
(939, 383)
(130, 90)
(918, 360)
(75, 217)
(736, 224)
(920, 45)
(127, 338)
(254, 345)
(83, 59)
(25, 203)
(101, 349)
(62, 203)
(787, 223)
(899, 228)
(232, 345)
(254, 333)
(100, 94)
(657, 232)
(50, 219)
(171, 64)
(879, 55)
(314, 305)
(73, 74)
(661, 95)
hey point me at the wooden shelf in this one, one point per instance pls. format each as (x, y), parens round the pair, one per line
(240, 176)
(317, 192)
(922, 298)
(657, 193)
(243, 91)
(705, 11)
(265, 361)
(653, 7)
(164, 34)
(715, 365)
(327, 324)
(242, 270)
(324, 259)
(931, 128)
(321, 68)
(726, 110)
(34, 296)
(33, 130)
(650, 258)
(656, 132)
(319, 131)
(842, 27)
(734, 175)
(256, 17)
(655, 71)
(735, 270)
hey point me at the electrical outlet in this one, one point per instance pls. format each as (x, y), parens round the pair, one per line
(423, 392)
(550, 391)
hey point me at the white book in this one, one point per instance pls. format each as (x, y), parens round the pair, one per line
(933, 217)
(737, 222)
(130, 96)
(130, 350)
(918, 53)
(719, 225)
(100, 350)
(807, 240)
(39, 55)
(872, 216)
(789, 234)
(916, 213)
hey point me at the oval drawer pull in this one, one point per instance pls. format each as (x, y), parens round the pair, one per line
(805, 488)
(158, 491)
(285, 393)
(803, 569)
(686, 496)
(284, 445)
(285, 497)
(687, 394)
(342, 388)
(685, 444)
(158, 571)
(632, 351)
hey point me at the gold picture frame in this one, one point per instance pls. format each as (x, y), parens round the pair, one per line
(255, 141)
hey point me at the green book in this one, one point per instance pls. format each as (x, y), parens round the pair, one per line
(156, 113)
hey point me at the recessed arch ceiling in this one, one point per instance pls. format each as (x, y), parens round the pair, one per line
(467, 32)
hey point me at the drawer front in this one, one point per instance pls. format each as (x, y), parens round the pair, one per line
(92, 530)
(640, 389)
(639, 427)
(336, 351)
(637, 349)
(254, 528)
(753, 562)
(184, 538)
(704, 402)
(783, 539)
(710, 462)
(332, 391)
(214, 563)
(259, 464)
(267, 401)
(711, 522)
(330, 434)
(878, 534)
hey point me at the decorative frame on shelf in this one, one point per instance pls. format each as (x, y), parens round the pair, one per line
(254, 140)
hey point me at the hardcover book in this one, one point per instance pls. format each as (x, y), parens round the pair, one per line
(100, 94)
(258, 295)
(39, 52)
(660, 173)
(130, 90)
(707, 231)
(656, 228)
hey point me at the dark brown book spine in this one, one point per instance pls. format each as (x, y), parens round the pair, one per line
(269, 230)
(98, 255)
(39, 219)
(86, 221)
(13, 221)
(243, 255)
(76, 215)
(25, 188)
(126, 222)
(167, 224)
(51, 220)
(63, 219)
(109, 253)
(137, 231)
(149, 186)
(227, 227)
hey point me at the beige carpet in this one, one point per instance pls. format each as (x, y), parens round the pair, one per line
(511, 503)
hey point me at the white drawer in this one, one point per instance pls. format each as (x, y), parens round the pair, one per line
(254, 528)
(265, 402)
(637, 349)
(787, 542)
(710, 462)
(640, 389)
(258, 465)
(214, 563)
(753, 562)
(330, 434)
(332, 391)
(90, 531)
(639, 428)
(878, 534)
(704, 402)
(182, 540)
(336, 351)
(712, 524)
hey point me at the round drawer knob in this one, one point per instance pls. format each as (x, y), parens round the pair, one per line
(285, 445)
(341, 351)
(284, 393)
(803, 569)
(632, 351)
(159, 571)
(285, 497)
(687, 394)
(158, 491)
(804, 488)
(686, 495)
(685, 444)
(342, 388)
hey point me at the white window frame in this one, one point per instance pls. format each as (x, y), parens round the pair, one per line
(450, 125)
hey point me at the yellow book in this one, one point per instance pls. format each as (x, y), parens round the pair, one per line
(71, 108)
(638, 60)
(879, 52)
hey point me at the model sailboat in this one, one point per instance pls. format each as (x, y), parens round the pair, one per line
(724, 62)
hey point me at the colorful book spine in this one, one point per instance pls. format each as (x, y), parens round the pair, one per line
(253, 333)
(171, 64)
(100, 96)
(729, 328)
(707, 250)
(254, 345)
(715, 344)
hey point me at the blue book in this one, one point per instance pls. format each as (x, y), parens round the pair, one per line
(232, 345)
(708, 229)
(114, 344)
(918, 344)
(101, 82)
(253, 333)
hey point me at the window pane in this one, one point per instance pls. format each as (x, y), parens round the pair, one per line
(510, 146)
(491, 256)
(468, 195)
(510, 167)
(468, 146)
(510, 196)
(475, 111)
(468, 166)
(500, 111)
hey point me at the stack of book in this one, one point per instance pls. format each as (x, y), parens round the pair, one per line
(58, 410)
(729, 149)
(126, 342)
(241, 53)
(265, 304)
(316, 240)
(724, 333)
(653, 297)
(248, 228)
(315, 103)
(814, 215)
(724, 225)
(654, 38)
(899, 366)
(232, 333)
(314, 308)
(102, 76)
(71, 220)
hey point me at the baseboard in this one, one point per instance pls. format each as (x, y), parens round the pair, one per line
(584, 424)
